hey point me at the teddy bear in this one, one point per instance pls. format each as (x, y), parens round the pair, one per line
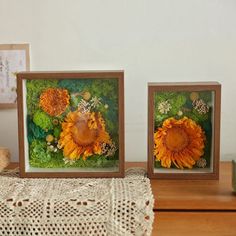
(4, 158)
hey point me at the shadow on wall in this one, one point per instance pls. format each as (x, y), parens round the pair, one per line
(9, 132)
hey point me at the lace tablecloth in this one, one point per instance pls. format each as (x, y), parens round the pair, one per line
(76, 206)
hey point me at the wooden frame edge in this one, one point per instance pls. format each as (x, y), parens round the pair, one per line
(20, 124)
(200, 86)
(75, 74)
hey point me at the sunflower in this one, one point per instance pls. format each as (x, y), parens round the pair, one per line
(83, 134)
(179, 142)
(54, 101)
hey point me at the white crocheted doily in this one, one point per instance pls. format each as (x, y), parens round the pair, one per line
(76, 206)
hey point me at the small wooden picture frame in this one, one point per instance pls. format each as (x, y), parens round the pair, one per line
(13, 58)
(184, 130)
(71, 124)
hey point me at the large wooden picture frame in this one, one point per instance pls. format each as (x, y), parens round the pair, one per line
(71, 124)
(13, 58)
(184, 130)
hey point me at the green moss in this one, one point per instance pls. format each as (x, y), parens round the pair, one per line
(34, 131)
(74, 100)
(42, 120)
(39, 153)
(57, 161)
(207, 127)
(75, 85)
(206, 96)
(159, 119)
(106, 88)
(157, 164)
(177, 103)
(196, 116)
(57, 131)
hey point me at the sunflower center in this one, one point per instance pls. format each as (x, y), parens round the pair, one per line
(82, 135)
(176, 139)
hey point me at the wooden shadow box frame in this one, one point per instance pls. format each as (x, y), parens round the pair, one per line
(168, 173)
(25, 170)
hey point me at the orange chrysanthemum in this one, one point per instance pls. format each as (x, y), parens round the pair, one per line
(83, 135)
(180, 142)
(54, 101)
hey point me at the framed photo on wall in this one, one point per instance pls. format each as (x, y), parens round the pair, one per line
(184, 130)
(13, 58)
(71, 124)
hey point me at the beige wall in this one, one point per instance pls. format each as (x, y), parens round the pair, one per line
(9, 132)
(152, 40)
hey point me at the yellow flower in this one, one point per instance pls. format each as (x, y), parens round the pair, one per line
(83, 135)
(49, 138)
(54, 101)
(180, 142)
(194, 96)
(86, 95)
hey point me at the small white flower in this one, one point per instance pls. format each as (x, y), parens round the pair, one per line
(180, 113)
(201, 163)
(106, 106)
(50, 148)
(68, 161)
(200, 106)
(84, 106)
(95, 102)
(108, 149)
(164, 107)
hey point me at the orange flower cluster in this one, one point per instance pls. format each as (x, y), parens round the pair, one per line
(54, 101)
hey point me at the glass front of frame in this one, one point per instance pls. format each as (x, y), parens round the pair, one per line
(183, 131)
(71, 125)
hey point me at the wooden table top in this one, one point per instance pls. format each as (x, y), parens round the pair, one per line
(191, 194)
(196, 194)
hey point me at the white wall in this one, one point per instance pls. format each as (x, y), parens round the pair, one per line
(152, 40)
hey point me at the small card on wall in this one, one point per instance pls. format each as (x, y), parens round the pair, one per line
(13, 59)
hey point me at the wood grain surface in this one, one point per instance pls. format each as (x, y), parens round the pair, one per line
(196, 194)
(194, 224)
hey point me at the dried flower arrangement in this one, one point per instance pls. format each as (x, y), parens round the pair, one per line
(73, 123)
(181, 123)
